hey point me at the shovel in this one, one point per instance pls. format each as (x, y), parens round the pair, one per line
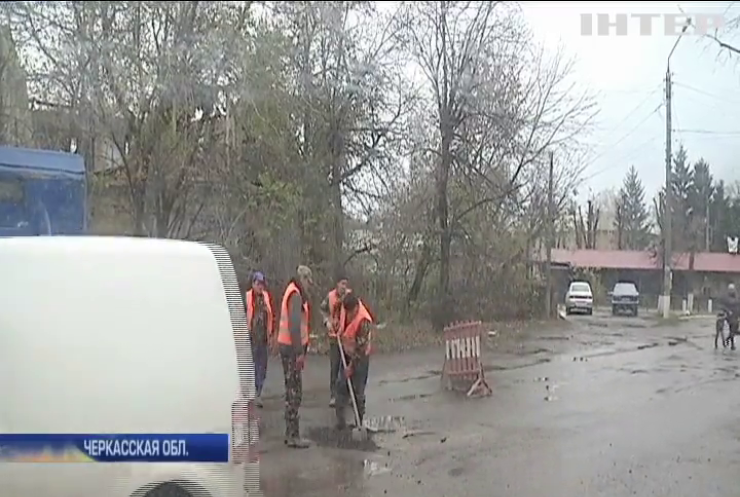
(359, 432)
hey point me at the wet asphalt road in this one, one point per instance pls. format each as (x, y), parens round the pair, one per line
(606, 406)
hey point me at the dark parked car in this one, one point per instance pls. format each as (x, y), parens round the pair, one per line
(625, 297)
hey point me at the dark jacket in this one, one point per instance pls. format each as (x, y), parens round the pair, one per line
(730, 304)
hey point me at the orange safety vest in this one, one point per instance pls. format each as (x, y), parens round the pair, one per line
(336, 312)
(349, 334)
(284, 337)
(249, 297)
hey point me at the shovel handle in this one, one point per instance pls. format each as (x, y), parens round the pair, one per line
(351, 388)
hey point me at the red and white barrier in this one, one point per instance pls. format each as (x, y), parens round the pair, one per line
(463, 358)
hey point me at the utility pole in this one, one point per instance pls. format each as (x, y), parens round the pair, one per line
(668, 217)
(550, 236)
(707, 236)
(668, 209)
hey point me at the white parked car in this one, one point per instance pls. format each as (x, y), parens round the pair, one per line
(579, 298)
(125, 335)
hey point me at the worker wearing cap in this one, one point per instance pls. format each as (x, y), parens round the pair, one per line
(293, 336)
(355, 338)
(333, 314)
(261, 321)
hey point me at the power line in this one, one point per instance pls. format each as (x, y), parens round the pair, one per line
(636, 108)
(623, 158)
(714, 106)
(624, 119)
(627, 135)
(723, 98)
(708, 132)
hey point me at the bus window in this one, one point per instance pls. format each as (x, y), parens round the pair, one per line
(11, 191)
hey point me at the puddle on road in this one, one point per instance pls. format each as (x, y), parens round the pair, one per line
(535, 351)
(404, 398)
(429, 374)
(422, 433)
(324, 436)
(727, 369)
(455, 472)
(340, 477)
(634, 325)
(648, 346)
(324, 471)
(493, 367)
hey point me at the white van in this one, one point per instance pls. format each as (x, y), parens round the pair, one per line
(106, 335)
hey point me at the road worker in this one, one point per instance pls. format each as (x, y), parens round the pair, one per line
(356, 341)
(261, 321)
(730, 305)
(333, 314)
(293, 336)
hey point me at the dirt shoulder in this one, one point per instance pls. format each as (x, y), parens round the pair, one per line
(503, 336)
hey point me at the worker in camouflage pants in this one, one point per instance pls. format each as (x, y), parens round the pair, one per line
(293, 335)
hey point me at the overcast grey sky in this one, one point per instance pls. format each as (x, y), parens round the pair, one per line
(628, 75)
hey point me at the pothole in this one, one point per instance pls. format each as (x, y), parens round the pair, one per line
(331, 437)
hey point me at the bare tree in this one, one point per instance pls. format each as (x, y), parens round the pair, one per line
(291, 133)
(352, 98)
(498, 107)
(586, 228)
(142, 76)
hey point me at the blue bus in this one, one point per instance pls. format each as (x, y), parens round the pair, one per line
(42, 193)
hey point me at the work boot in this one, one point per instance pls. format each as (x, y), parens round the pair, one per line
(289, 435)
(332, 401)
(298, 443)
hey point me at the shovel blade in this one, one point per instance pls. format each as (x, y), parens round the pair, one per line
(359, 435)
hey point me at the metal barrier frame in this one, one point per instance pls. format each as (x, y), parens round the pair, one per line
(463, 343)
